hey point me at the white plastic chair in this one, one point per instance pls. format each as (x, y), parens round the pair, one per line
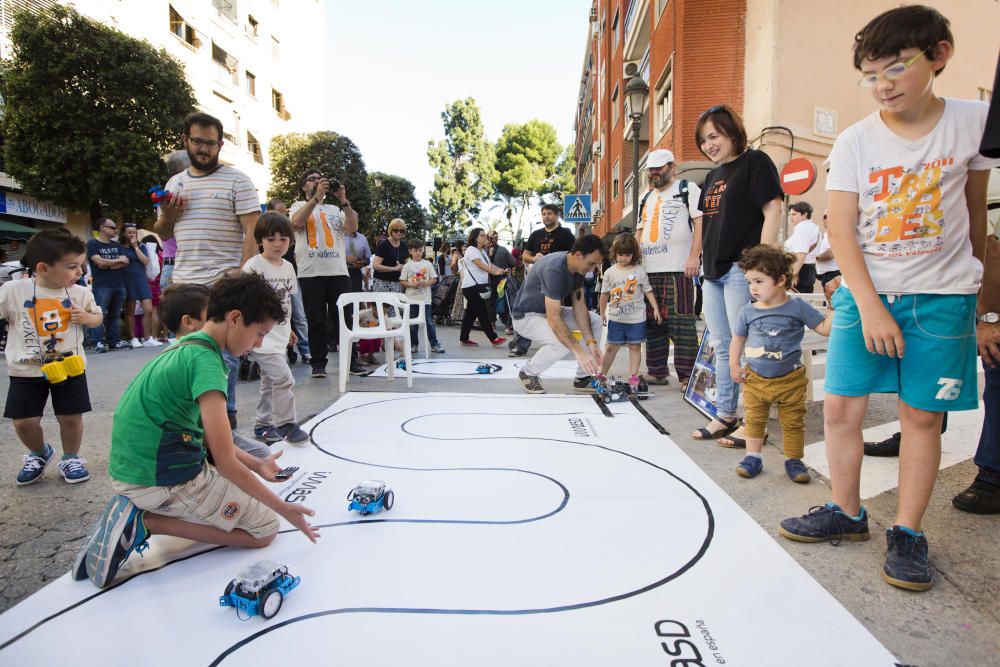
(420, 321)
(357, 332)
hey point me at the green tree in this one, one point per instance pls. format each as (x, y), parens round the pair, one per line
(563, 182)
(526, 155)
(464, 168)
(89, 112)
(393, 197)
(334, 155)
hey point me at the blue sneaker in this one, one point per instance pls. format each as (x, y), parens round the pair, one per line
(292, 433)
(34, 466)
(906, 565)
(267, 434)
(750, 467)
(118, 533)
(74, 470)
(826, 522)
(797, 471)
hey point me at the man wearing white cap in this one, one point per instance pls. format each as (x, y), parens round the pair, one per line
(669, 232)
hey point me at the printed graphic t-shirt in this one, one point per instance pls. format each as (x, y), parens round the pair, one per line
(38, 324)
(664, 231)
(544, 242)
(731, 207)
(209, 235)
(319, 246)
(422, 270)
(157, 438)
(282, 281)
(774, 335)
(626, 289)
(107, 278)
(551, 278)
(913, 218)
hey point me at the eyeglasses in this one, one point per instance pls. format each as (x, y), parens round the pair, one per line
(397, 231)
(111, 227)
(890, 73)
(314, 177)
(204, 143)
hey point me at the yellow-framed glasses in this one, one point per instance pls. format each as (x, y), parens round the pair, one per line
(890, 73)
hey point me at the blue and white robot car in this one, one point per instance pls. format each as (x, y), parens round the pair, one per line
(259, 589)
(611, 389)
(370, 497)
(487, 369)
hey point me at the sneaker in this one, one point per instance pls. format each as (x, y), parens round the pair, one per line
(517, 352)
(498, 341)
(633, 382)
(121, 345)
(292, 355)
(887, 447)
(267, 434)
(292, 433)
(509, 331)
(470, 343)
(584, 385)
(318, 372)
(826, 522)
(414, 349)
(531, 383)
(980, 498)
(437, 347)
(796, 471)
(100, 348)
(119, 532)
(151, 342)
(307, 360)
(356, 369)
(74, 470)
(34, 466)
(906, 565)
(136, 343)
(750, 467)
(659, 379)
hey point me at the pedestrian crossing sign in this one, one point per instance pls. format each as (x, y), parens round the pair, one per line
(576, 208)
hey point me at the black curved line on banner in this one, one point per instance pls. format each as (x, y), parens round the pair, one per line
(497, 367)
(488, 612)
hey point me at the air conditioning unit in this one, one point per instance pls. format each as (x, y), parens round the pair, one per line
(593, 14)
(597, 149)
(630, 69)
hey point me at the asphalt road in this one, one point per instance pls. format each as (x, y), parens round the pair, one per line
(956, 623)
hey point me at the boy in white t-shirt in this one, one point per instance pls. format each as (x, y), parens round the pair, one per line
(803, 243)
(907, 223)
(276, 402)
(417, 277)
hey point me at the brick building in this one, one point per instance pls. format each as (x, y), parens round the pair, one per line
(784, 65)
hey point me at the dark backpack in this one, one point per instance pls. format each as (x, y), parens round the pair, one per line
(683, 190)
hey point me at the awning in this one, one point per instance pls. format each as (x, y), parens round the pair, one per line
(14, 231)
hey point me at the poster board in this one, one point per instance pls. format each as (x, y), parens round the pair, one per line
(701, 391)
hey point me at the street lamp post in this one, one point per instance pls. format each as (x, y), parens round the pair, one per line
(635, 92)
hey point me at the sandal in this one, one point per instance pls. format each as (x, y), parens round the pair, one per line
(735, 442)
(728, 427)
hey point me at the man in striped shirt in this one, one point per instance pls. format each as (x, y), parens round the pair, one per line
(211, 215)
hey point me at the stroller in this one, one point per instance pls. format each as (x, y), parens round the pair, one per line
(443, 299)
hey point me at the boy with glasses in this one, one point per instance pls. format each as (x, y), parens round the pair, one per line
(907, 223)
(106, 264)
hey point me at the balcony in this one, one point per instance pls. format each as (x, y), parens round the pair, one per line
(636, 30)
(225, 76)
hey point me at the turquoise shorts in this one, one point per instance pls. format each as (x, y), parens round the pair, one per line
(937, 372)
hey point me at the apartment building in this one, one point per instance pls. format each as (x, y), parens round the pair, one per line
(255, 64)
(784, 65)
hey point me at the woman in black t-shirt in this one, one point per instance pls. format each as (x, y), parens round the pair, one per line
(741, 205)
(390, 255)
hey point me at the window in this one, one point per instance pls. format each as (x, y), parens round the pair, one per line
(275, 47)
(226, 8)
(614, 32)
(278, 104)
(984, 95)
(185, 32)
(660, 6)
(253, 146)
(227, 70)
(251, 84)
(615, 111)
(614, 181)
(665, 99)
(252, 28)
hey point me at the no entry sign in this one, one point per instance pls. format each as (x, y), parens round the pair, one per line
(797, 176)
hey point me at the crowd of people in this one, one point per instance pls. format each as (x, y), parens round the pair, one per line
(899, 254)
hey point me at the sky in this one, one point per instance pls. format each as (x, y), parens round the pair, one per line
(396, 64)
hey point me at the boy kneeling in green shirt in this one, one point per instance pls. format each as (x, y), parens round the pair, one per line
(172, 410)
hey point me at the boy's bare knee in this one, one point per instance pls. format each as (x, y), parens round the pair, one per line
(259, 542)
(920, 419)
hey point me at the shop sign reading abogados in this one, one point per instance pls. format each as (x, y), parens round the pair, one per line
(14, 203)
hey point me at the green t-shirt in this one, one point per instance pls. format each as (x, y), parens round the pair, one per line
(157, 438)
